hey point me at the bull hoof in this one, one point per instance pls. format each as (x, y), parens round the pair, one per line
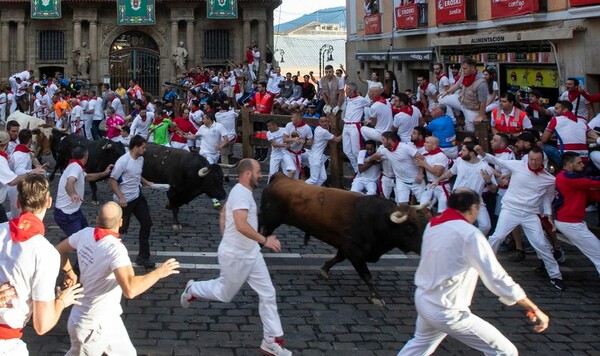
(377, 301)
(95, 202)
(324, 274)
(176, 226)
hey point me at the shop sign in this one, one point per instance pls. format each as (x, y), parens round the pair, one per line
(583, 2)
(411, 57)
(372, 56)
(449, 11)
(372, 24)
(510, 8)
(407, 17)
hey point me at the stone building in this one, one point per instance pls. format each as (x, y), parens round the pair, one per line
(116, 53)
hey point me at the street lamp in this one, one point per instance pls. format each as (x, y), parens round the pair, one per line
(326, 50)
(281, 52)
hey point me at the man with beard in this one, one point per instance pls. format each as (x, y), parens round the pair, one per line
(240, 259)
(582, 107)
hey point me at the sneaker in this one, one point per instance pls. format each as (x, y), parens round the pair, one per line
(186, 297)
(276, 348)
(559, 255)
(518, 255)
(559, 284)
(144, 262)
(529, 250)
(216, 205)
(590, 208)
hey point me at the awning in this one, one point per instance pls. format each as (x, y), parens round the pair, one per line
(550, 33)
(379, 56)
(412, 54)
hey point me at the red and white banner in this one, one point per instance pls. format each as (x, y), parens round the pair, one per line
(510, 8)
(407, 17)
(372, 24)
(449, 11)
(583, 2)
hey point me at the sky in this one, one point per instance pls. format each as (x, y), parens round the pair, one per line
(292, 9)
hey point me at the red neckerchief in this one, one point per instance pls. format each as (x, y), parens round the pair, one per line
(502, 150)
(448, 215)
(78, 162)
(76, 105)
(26, 226)
(535, 106)
(407, 109)
(569, 115)
(196, 109)
(157, 121)
(380, 99)
(100, 233)
(22, 148)
(395, 146)
(438, 77)
(300, 124)
(4, 154)
(468, 79)
(573, 94)
(419, 144)
(353, 95)
(536, 171)
(425, 85)
(433, 152)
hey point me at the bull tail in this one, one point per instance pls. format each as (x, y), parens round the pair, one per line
(306, 238)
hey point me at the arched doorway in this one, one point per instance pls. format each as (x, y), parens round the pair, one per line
(135, 54)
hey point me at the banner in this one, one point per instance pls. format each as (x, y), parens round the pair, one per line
(372, 24)
(583, 2)
(407, 17)
(45, 9)
(510, 8)
(533, 77)
(449, 11)
(222, 9)
(136, 12)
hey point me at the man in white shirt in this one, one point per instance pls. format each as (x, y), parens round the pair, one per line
(380, 116)
(317, 157)
(115, 103)
(76, 116)
(89, 115)
(442, 82)
(426, 93)
(141, 123)
(31, 264)
(581, 106)
(296, 135)
(353, 114)
(107, 274)
(275, 138)
(445, 286)
(13, 129)
(3, 102)
(435, 163)
(98, 117)
(240, 259)
(125, 180)
(407, 119)
(227, 117)
(368, 172)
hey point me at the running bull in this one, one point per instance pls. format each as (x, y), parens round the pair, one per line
(188, 175)
(362, 228)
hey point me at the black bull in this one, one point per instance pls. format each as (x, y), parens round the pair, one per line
(362, 228)
(188, 174)
(101, 154)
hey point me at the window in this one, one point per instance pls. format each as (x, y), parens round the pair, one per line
(216, 44)
(51, 46)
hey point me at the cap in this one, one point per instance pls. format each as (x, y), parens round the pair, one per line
(214, 83)
(312, 106)
(526, 136)
(4, 138)
(204, 91)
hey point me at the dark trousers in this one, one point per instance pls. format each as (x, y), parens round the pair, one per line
(96, 129)
(3, 217)
(70, 223)
(139, 208)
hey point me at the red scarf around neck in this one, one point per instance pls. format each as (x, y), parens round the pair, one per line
(573, 95)
(502, 150)
(536, 171)
(26, 226)
(395, 146)
(425, 85)
(407, 109)
(380, 99)
(78, 162)
(448, 215)
(4, 154)
(569, 115)
(100, 233)
(300, 124)
(22, 148)
(353, 95)
(469, 79)
(419, 144)
(433, 152)
(439, 77)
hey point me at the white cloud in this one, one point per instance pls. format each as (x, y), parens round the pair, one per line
(292, 9)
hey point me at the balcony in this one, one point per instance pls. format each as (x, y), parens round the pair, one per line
(411, 16)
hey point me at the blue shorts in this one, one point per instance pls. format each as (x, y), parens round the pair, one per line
(70, 223)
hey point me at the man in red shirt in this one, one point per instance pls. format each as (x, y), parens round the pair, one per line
(574, 190)
(183, 126)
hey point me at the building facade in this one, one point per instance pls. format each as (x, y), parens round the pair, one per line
(530, 43)
(118, 53)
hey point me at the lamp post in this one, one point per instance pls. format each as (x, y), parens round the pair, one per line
(326, 50)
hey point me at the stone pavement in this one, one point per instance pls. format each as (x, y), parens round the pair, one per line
(320, 317)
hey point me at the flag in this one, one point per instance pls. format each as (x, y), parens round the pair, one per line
(221, 9)
(136, 12)
(45, 9)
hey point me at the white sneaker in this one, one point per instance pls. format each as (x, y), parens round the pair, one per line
(187, 297)
(590, 208)
(277, 348)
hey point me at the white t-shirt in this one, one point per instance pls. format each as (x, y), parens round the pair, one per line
(97, 262)
(139, 127)
(77, 113)
(438, 159)
(402, 162)
(196, 118)
(442, 83)
(128, 173)
(373, 172)
(233, 242)
(227, 119)
(98, 109)
(32, 268)
(277, 137)
(118, 106)
(372, 83)
(582, 110)
(405, 124)
(383, 113)
(355, 108)
(320, 141)
(429, 92)
(20, 162)
(63, 200)
(6, 176)
(304, 132)
(211, 137)
(468, 175)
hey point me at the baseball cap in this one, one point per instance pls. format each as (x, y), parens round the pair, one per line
(4, 138)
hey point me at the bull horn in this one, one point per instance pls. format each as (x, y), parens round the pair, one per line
(107, 146)
(398, 217)
(203, 172)
(419, 207)
(223, 165)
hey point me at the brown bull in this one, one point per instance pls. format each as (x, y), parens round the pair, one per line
(362, 228)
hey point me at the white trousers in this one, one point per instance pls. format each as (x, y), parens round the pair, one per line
(12, 197)
(484, 224)
(180, 145)
(403, 191)
(87, 123)
(434, 323)
(582, 237)
(295, 162)
(387, 185)
(360, 185)
(110, 337)
(351, 144)
(440, 193)
(318, 173)
(211, 157)
(452, 103)
(492, 106)
(370, 133)
(470, 117)
(450, 152)
(234, 273)
(499, 197)
(532, 227)
(275, 164)
(13, 347)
